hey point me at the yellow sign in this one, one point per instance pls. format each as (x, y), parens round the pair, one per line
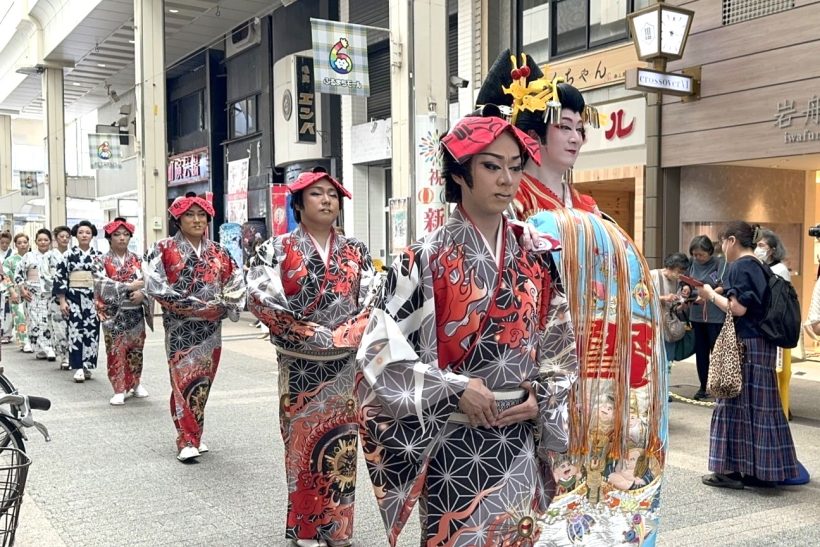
(599, 69)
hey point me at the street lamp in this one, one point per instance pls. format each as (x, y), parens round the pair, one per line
(660, 32)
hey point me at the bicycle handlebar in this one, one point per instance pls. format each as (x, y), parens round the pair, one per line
(38, 403)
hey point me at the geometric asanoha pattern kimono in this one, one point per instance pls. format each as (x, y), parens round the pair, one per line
(315, 309)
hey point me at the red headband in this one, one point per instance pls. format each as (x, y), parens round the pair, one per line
(473, 134)
(308, 179)
(115, 225)
(182, 204)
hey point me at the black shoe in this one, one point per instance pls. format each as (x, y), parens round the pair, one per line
(701, 395)
(754, 482)
(721, 481)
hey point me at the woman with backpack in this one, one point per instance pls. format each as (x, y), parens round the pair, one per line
(770, 250)
(750, 443)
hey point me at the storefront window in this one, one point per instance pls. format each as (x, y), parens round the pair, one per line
(535, 24)
(187, 115)
(243, 117)
(553, 28)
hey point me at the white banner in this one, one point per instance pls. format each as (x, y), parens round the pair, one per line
(236, 199)
(431, 210)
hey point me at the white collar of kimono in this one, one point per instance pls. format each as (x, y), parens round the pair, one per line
(323, 251)
(495, 251)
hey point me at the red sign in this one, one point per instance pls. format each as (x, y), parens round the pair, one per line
(279, 209)
(617, 129)
(188, 167)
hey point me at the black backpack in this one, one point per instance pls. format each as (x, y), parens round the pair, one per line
(781, 323)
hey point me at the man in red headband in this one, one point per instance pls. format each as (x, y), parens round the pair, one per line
(466, 372)
(123, 310)
(197, 284)
(310, 287)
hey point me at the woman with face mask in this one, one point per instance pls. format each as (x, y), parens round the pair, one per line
(770, 250)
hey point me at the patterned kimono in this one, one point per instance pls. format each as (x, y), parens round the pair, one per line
(609, 483)
(533, 197)
(83, 323)
(18, 311)
(196, 293)
(36, 272)
(315, 310)
(453, 313)
(124, 323)
(59, 323)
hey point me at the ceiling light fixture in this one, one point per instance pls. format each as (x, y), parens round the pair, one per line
(172, 10)
(75, 83)
(101, 65)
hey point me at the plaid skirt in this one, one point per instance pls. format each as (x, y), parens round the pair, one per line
(750, 433)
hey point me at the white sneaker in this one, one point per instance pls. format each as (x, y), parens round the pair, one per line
(64, 365)
(27, 348)
(188, 453)
(202, 447)
(87, 373)
(50, 355)
(118, 399)
(79, 376)
(140, 392)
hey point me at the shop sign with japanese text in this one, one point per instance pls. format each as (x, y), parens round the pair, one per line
(188, 167)
(799, 119)
(625, 126)
(305, 100)
(597, 70)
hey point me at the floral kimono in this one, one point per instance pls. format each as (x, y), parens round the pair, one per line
(315, 309)
(36, 272)
(75, 276)
(196, 291)
(609, 483)
(123, 322)
(18, 311)
(457, 308)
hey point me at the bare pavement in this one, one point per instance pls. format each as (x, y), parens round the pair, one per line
(110, 476)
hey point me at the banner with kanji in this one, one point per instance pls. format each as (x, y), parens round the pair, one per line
(431, 209)
(104, 151)
(236, 198)
(340, 58)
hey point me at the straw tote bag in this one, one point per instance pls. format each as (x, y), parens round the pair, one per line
(725, 361)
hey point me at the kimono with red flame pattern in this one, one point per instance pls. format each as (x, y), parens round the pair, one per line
(316, 310)
(454, 312)
(196, 292)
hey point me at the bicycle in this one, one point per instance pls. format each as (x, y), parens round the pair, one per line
(15, 415)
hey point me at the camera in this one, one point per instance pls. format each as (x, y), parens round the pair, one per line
(814, 231)
(459, 82)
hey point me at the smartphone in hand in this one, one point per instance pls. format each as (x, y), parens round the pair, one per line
(691, 281)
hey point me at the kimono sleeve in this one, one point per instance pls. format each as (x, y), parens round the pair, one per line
(233, 286)
(405, 399)
(268, 302)
(20, 270)
(109, 292)
(61, 278)
(398, 357)
(558, 367)
(158, 286)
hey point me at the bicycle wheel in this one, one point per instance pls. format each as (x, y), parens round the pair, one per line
(8, 388)
(10, 435)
